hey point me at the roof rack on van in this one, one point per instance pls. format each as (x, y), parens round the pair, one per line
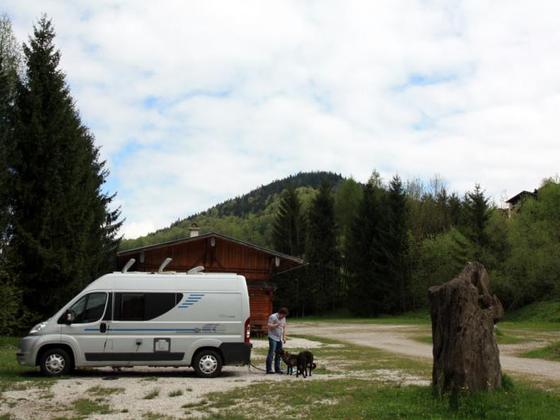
(164, 264)
(129, 264)
(196, 269)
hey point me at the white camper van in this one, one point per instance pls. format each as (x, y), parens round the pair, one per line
(138, 319)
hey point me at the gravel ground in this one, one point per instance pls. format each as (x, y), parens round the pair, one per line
(124, 392)
(396, 339)
(127, 389)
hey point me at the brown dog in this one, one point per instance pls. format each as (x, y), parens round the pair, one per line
(302, 361)
(305, 363)
(291, 360)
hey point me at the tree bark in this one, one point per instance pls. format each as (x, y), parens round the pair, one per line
(463, 311)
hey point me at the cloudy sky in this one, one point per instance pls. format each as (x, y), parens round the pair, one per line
(193, 102)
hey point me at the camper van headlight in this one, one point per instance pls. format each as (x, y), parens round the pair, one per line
(38, 328)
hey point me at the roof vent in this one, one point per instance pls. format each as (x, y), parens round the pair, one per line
(196, 269)
(164, 264)
(129, 264)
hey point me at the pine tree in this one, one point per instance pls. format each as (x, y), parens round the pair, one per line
(396, 246)
(362, 250)
(346, 202)
(64, 233)
(288, 228)
(477, 215)
(10, 60)
(288, 237)
(323, 274)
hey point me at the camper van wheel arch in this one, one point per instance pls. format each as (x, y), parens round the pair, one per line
(55, 360)
(207, 362)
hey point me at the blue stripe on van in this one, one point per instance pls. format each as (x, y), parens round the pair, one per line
(149, 329)
(191, 299)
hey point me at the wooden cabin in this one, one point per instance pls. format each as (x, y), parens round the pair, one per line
(220, 253)
(515, 202)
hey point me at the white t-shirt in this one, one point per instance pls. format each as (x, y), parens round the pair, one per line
(276, 333)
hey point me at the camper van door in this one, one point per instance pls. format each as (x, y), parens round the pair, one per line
(83, 321)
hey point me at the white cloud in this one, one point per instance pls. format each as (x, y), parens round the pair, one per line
(195, 102)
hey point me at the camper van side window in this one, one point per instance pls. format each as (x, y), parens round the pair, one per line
(89, 308)
(143, 306)
(129, 307)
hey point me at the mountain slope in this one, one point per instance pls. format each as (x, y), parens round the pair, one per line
(248, 217)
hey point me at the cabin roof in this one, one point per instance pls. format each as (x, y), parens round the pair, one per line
(210, 235)
(520, 196)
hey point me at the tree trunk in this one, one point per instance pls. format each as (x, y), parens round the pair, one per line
(463, 311)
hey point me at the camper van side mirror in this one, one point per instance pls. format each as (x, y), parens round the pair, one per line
(69, 317)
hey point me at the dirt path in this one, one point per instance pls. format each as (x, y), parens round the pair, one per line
(397, 339)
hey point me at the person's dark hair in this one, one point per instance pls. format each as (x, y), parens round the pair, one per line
(283, 311)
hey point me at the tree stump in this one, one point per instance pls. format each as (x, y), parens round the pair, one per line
(463, 311)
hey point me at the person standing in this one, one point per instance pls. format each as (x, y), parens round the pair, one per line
(276, 337)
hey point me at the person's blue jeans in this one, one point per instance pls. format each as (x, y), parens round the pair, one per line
(273, 347)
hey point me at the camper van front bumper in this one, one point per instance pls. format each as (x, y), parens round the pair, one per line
(236, 353)
(27, 350)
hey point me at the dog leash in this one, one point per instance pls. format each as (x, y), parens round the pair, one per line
(256, 367)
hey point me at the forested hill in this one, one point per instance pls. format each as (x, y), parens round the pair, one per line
(247, 217)
(257, 200)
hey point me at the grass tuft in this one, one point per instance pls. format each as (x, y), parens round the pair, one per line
(152, 394)
(507, 383)
(175, 393)
(86, 407)
(101, 391)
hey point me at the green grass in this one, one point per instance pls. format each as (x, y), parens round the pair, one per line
(154, 416)
(501, 338)
(86, 407)
(539, 315)
(504, 337)
(416, 317)
(353, 398)
(101, 391)
(426, 339)
(540, 312)
(176, 393)
(550, 352)
(12, 375)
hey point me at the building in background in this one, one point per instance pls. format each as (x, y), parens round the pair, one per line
(220, 253)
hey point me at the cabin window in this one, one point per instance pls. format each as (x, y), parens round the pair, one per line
(143, 306)
(89, 308)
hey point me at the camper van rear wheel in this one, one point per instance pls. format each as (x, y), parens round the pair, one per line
(55, 362)
(207, 364)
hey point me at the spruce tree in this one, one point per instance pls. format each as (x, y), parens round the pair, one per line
(477, 215)
(288, 228)
(323, 273)
(362, 252)
(288, 237)
(64, 233)
(396, 247)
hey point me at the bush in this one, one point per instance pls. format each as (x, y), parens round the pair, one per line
(10, 307)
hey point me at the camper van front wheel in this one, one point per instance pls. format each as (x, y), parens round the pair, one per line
(55, 362)
(207, 364)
